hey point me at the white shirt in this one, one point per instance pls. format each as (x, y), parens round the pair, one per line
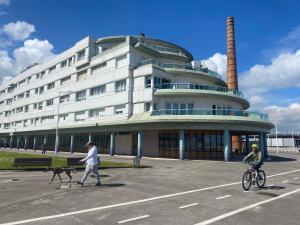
(92, 157)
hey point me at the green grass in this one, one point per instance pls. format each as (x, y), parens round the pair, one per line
(7, 160)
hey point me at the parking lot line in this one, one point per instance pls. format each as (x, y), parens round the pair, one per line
(132, 219)
(186, 206)
(215, 219)
(222, 197)
(132, 202)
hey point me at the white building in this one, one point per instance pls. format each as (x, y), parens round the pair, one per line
(129, 95)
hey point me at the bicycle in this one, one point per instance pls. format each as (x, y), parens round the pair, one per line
(251, 177)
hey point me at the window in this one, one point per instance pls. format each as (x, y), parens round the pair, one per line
(51, 85)
(70, 61)
(64, 98)
(41, 90)
(63, 117)
(99, 67)
(20, 96)
(120, 109)
(98, 90)
(80, 116)
(63, 64)
(147, 106)
(9, 101)
(27, 94)
(121, 61)
(47, 119)
(80, 55)
(182, 109)
(157, 82)
(147, 81)
(19, 109)
(35, 106)
(7, 113)
(36, 91)
(51, 69)
(175, 108)
(81, 95)
(81, 75)
(120, 85)
(97, 112)
(40, 105)
(22, 82)
(26, 108)
(65, 80)
(190, 108)
(168, 108)
(49, 102)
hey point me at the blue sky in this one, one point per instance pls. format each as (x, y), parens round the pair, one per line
(266, 31)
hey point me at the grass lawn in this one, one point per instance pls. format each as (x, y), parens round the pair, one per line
(7, 159)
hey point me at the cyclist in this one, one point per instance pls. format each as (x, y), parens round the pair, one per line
(255, 158)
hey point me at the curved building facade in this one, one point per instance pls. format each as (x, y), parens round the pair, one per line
(130, 95)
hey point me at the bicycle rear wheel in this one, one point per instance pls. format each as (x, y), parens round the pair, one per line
(247, 180)
(261, 178)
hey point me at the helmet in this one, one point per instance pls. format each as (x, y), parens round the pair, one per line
(254, 146)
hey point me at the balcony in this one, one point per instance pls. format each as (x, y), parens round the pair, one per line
(213, 112)
(192, 86)
(181, 68)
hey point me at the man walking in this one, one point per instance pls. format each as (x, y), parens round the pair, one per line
(91, 163)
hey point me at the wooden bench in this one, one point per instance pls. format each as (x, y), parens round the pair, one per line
(45, 162)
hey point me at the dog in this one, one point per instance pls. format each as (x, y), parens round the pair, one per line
(59, 170)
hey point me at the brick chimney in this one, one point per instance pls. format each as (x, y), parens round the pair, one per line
(232, 81)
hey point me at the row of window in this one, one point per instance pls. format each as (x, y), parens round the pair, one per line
(79, 116)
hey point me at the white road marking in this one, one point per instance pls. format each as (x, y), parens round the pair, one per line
(215, 219)
(186, 206)
(246, 191)
(296, 178)
(5, 181)
(132, 219)
(285, 181)
(132, 202)
(226, 196)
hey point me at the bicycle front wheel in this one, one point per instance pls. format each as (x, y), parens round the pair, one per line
(261, 178)
(247, 179)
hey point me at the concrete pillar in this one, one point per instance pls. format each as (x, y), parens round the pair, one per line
(181, 144)
(247, 144)
(25, 142)
(139, 144)
(112, 144)
(72, 143)
(34, 143)
(18, 141)
(261, 144)
(90, 138)
(10, 142)
(227, 145)
(266, 155)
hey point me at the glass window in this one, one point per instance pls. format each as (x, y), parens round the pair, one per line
(98, 90)
(40, 105)
(190, 108)
(81, 55)
(63, 64)
(49, 102)
(147, 106)
(35, 106)
(27, 94)
(168, 108)
(175, 108)
(148, 81)
(97, 112)
(157, 82)
(120, 85)
(51, 69)
(41, 91)
(80, 116)
(64, 98)
(63, 117)
(98, 68)
(51, 85)
(65, 80)
(82, 75)
(183, 109)
(121, 61)
(81, 95)
(120, 109)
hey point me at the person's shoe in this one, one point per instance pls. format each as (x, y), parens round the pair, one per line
(98, 184)
(80, 183)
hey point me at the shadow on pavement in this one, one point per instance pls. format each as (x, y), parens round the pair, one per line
(113, 185)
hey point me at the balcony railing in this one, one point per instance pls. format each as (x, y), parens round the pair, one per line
(193, 86)
(213, 112)
(162, 49)
(180, 66)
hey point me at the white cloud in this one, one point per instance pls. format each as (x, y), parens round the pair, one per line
(18, 31)
(218, 63)
(287, 118)
(4, 2)
(283, 72)
(33, 50)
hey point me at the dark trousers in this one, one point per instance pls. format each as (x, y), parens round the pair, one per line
(256, 166)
